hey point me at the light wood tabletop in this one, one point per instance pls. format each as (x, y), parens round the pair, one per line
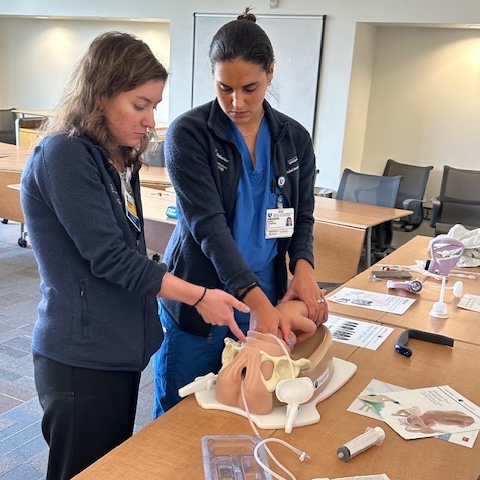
(460, 325)
(158, 227)
(12, 162)
(170, 447)
(351, 214)
(155, 177)
(425, 459)
(12, 158)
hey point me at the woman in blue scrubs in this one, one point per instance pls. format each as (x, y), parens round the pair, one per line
(240, 169)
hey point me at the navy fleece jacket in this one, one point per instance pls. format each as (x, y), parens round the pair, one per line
(98, 307)
(205, 168)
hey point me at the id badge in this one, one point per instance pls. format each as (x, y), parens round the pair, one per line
(131, 210)
(279, 223)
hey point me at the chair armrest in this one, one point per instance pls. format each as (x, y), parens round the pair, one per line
(408, 202)
(414, 204)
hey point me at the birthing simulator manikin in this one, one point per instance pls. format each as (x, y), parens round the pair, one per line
(277, 388)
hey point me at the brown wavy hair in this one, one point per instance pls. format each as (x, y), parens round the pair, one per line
(115, 62)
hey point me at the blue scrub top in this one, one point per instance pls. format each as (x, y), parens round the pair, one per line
(254, 197)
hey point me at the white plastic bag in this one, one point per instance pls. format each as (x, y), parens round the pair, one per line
(471, 240)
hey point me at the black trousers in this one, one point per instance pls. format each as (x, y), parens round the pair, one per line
(86, 413)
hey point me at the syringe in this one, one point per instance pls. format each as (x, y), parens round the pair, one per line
(372, 436)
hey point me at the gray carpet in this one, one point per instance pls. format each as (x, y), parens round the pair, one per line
(23, 451)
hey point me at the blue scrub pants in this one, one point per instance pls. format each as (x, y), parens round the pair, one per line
(183, 357)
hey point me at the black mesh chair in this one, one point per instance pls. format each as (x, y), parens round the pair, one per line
(458, 202)
(372, 190)
(7, 126)
(411, 194)
(156, 158)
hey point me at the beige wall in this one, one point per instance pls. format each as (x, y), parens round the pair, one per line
(39, 55)
(424, 103)
(385, 90)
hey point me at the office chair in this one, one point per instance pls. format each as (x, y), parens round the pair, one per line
(7, 126)
(458, 202)
(411, 194)
(156, 158)
(372, 190)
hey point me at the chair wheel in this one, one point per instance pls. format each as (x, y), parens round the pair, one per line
(22, 242)
(5, 221)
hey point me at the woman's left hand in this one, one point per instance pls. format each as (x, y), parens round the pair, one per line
(302, 327)
(305, 287)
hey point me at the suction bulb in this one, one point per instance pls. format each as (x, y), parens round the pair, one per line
(458, 289)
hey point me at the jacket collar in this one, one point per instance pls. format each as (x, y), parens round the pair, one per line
(220, 123)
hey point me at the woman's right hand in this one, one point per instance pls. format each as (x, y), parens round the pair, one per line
(214, 305)
(216, 308)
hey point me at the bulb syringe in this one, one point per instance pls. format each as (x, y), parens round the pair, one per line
(372, 436)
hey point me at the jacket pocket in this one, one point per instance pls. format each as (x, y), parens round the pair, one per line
(84, 324)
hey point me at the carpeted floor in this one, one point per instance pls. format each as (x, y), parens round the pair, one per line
(23, 451)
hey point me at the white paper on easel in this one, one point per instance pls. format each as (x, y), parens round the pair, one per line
(372, 300)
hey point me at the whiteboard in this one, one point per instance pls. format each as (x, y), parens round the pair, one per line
(297, 45)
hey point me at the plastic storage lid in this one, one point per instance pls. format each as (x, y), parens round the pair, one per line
(231, 457)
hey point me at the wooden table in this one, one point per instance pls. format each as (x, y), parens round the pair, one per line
(170, 447)
(357, 215)
(400, 459)
(461, 325)
(157, 226)
(155, 177)
(327, 210)
(12, 162)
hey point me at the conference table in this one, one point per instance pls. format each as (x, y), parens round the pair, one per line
(157, 225)
(170, 446)
(461, 324)
(419, 459)
(12, 162)
(327, 210)
(155, 177)
(356, 215)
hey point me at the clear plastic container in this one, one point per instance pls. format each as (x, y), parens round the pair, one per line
(230, 457)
